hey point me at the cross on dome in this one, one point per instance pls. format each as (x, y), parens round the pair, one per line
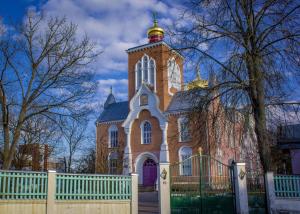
(155, 33)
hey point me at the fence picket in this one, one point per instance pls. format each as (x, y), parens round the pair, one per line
(287, 186)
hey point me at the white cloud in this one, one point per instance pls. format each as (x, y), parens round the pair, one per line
(114, 26)
(120, 87)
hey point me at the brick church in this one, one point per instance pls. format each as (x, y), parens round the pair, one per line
(153, 126)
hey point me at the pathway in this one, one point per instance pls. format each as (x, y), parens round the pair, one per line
(148, 203)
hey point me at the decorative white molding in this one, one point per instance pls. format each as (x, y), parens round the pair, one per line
(152, 107)
(109, 122)
(151, 45)
(139, 162)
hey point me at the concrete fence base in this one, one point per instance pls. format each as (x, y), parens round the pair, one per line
(277, 204)
(53, 206)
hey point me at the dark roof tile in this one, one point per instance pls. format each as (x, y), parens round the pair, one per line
(114, 112)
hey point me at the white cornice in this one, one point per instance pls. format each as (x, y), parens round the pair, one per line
(151, 45)
(109, 122)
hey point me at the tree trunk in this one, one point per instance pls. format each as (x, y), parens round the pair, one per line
(257, 96)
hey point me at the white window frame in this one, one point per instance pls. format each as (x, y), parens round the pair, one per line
(149, 135)
(142, 71)
(219, 163)
(186, 137)
(184, 153)
(174, 75)
(113, 129)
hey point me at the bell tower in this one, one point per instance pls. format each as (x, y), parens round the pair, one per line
(157, 65)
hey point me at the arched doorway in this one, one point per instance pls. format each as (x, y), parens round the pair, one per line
(149, 172)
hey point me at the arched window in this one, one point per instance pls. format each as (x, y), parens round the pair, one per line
(145, 71)
(183, 129)
(219, 158)
(186, 164)
(152, 71)
(113, 136)
(138, 74)
(174, 78)
(113, 163)
(146, 132)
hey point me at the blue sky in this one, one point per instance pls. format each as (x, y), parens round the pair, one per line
(114, 26)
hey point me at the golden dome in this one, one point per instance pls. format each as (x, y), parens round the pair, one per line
(155, 33)
(197, 83)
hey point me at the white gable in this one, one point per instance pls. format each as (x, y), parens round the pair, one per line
(144, 99)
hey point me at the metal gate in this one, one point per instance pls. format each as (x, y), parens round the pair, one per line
(202, 184)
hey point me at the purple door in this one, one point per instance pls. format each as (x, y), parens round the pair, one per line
(149, 172)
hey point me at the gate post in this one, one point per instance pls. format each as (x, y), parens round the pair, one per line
(51, 185)
(134, 194)
(240, 188)
(164, 188)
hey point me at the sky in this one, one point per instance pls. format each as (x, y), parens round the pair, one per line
(114, 26)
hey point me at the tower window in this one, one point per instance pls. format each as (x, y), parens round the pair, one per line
(146, 132)
(174, 78)
(113, 136)
(145, 71)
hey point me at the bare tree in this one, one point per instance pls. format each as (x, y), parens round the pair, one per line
(74, 136)
(37, 133)
(43, 67)
(253, 46)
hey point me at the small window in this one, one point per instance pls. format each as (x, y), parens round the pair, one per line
(152, 72)
(183, 127)
(219, 164)
(185, 161)
(113, 163)
(145, 69)
(144, 99)
(139, 75)
(146, 132)
(113, 137)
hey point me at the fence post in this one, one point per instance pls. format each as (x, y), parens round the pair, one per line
(270, 190)
(51, 191)
(134, 193)
(164, 188)
(240, 188)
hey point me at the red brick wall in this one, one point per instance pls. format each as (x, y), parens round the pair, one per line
(161, 54)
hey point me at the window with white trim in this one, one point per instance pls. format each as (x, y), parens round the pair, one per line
(113, 163)
(183, 129)
(219, 164)
(146, 132)
(145, 71)
(174, 78)
(113, 136)
(186, 163)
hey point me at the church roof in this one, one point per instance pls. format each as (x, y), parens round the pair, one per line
(185, 100)
(114, 112)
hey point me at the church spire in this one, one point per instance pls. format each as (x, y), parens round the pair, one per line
(110, 99)
(155, 33)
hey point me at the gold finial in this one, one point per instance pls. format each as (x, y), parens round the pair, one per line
(154, 19)
(200, 150)
(155, 33)
(198, 82)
